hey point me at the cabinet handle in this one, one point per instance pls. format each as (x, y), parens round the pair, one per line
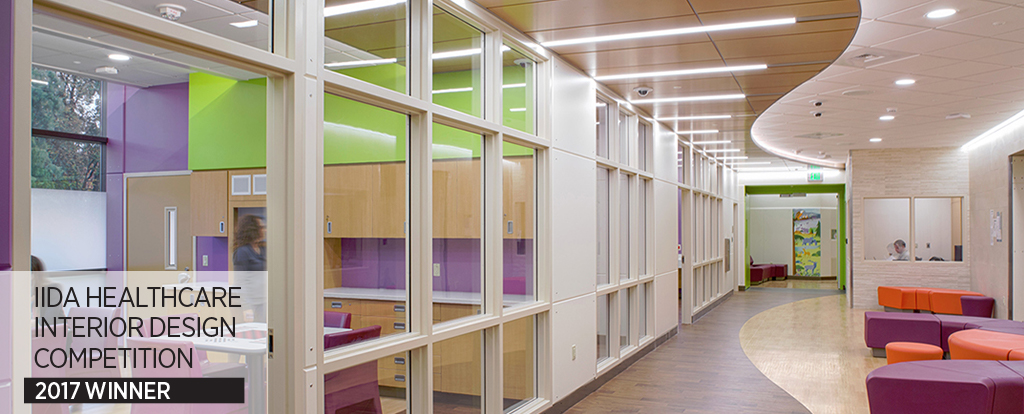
(335, 305)
(329, 226)
(400, 378)
(399, 308)
(222, 227)
(399, 361)
(510, 227)
(400, 326)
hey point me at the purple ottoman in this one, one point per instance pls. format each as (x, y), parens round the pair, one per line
(935, 387)
(982, 323)
(977, 306)
(953, 323)
(880, 328)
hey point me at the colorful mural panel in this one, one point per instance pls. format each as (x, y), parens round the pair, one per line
(807, 242)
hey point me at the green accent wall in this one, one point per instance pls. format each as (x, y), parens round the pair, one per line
(227, 122)
(806, 189)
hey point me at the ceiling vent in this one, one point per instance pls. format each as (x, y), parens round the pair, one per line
(871, 57)
(819, 135)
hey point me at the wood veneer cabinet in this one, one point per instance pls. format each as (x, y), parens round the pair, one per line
(365, 200)
(208, 197)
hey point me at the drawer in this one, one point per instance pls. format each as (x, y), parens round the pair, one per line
(342, 305)
(387, 324)
(382, 308)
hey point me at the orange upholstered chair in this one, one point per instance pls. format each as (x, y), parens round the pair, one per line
(982, 344)
(924, 299)
(948, 301)
(896, 352)
(1017, 355)
(898, 297)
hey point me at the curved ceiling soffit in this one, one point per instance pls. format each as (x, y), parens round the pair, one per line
(790, 155)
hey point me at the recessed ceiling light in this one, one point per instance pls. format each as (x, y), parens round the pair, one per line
(247, 23)
(683, 72)
(698, 131)
(886, 118)
(875, 140)
(693, 118)
(905, 82)
(940, 13)
(360, 6)
(672, 32)
(119, 57)
(711, 142)
(692, 98)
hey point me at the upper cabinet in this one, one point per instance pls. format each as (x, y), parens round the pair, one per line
(209, 202)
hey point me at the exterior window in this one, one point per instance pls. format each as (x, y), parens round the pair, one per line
(624, 303)
(603, 328)
(603, 226)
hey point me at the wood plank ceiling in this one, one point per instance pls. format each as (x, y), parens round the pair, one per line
(794, 53)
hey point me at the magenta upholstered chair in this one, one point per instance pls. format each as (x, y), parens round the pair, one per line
(80, 344)
(210, 369)
(177, 371)
(352, 390)
(43, 338)
(977, 306)
(338, 319)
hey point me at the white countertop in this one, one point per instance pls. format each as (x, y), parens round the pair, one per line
(396, 295)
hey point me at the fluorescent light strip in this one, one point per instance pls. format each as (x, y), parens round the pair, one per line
(513, 85)
(711, 151)
(692, 98)
(360, 63)
(247, 23)
(742, 157)
(358, 7)
(711, 142)
(683, 72)
(39, 82)
(453, 90)
(671, 32)
(694, 118)
(992, 132)
(698, 131)
(456, 53)
(737, 164)
(521, 110)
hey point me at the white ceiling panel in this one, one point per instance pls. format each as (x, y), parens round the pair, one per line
(1000, 21)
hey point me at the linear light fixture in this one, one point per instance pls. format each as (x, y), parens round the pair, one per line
(698, 131)
(692, 98)
(247, 23)
(39, 82)
(672, 32)
(453, 90)
(360, 63)
(683, 72)
(521, 110)
(358, 7)
(987, 135)
(694, 118)
(741, 157)
(712, 151)
(513, 85)
(456, 53)
(712, 142)
(738, 164)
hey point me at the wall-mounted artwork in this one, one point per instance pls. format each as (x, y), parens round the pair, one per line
(807, 242)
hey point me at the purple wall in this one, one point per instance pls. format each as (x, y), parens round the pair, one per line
(147, 131)
(216, 249)
(6, 126)
(380, 264)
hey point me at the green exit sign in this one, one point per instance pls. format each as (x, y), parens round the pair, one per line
(814, 176)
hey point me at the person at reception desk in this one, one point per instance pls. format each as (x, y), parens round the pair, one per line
(250, 261)
(900, 247)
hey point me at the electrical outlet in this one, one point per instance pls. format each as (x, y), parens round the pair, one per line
(437, 270)
(574, 352)
(206, 260)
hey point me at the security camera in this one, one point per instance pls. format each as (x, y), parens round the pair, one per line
(817, 103)
(643, 90)
(523, 63)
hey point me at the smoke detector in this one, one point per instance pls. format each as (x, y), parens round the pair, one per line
(107, 70)
(170, 11)
(958, 115)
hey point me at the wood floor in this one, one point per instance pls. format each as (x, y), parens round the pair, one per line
(801, 284)
(704, 368)
(814, 349)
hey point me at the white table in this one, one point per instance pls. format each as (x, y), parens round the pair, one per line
(254, 351)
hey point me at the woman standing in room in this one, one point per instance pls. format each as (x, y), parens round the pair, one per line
(250, 262)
